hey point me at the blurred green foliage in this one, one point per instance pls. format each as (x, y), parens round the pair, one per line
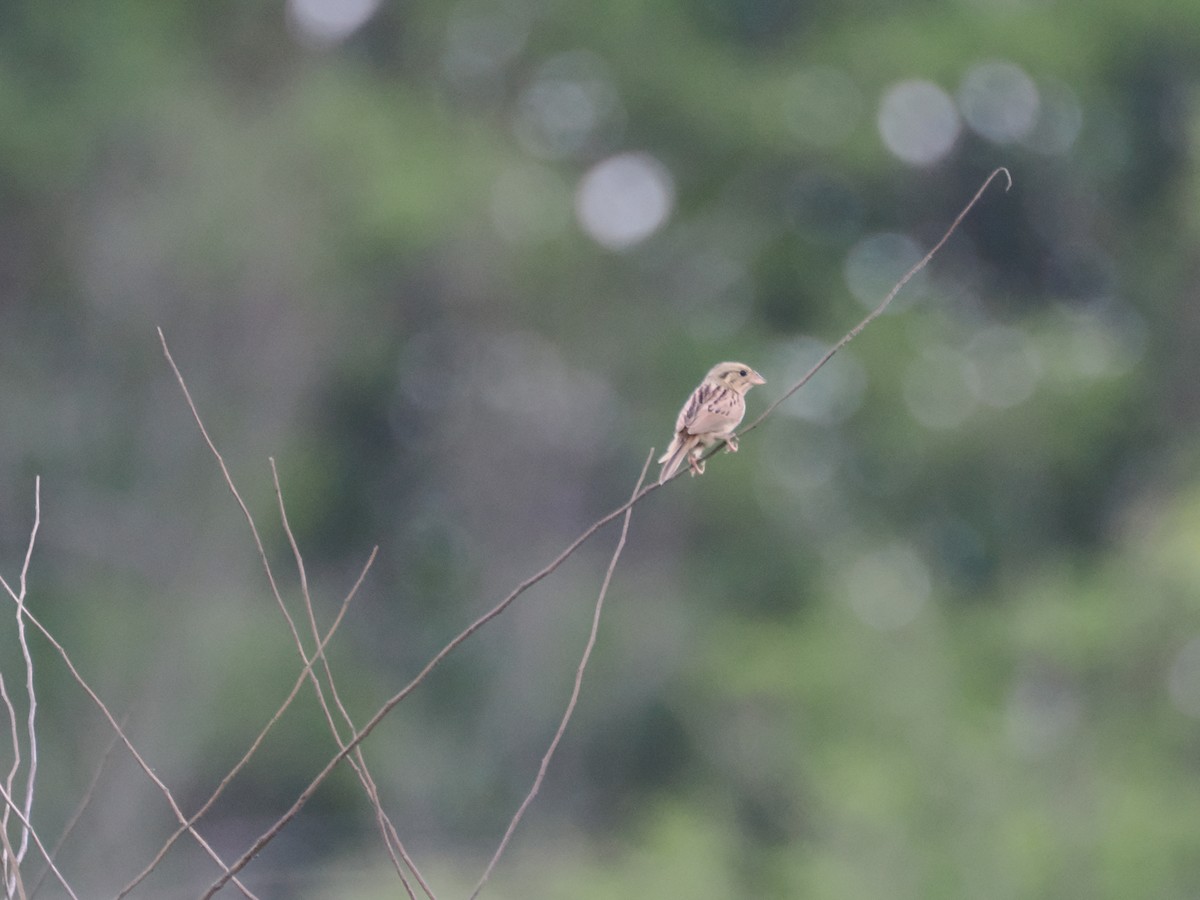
(933, 632)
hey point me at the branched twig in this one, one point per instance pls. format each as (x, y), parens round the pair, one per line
(583, 661)
(358, 763)
(396, 699)
(24, 613)
(13, 882)
(232, 773)
(138, 758)
(27, 828)
(525, 585)
(13, 859)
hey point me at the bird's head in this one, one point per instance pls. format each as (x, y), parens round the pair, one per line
(736, 375)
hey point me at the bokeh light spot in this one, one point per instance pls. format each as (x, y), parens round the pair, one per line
(999, 101)
(570, 107)
(918, 122)
(876, 263)
(1060, 119)
(325, 22)
(833, 395)
(482, 39)
(624, 199)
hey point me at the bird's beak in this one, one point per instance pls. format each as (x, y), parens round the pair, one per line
(755, 378)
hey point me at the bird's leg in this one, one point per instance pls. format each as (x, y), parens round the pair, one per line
(731, 444)
(695, 463)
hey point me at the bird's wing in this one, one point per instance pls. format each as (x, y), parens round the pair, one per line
(711, 408)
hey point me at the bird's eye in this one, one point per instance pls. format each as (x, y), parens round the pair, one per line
(742, 373)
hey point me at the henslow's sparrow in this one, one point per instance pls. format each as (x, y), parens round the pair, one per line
(711, 414)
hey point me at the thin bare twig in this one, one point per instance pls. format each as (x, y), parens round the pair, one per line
(254, 745)
(583, 661)
(31, 694)
(24, 613)
(28, 829)
(19, 597)
(187, 395)
(84, 801)
(13, 882)
(525, 585)
(14, 769)
(137, 757)
(372, 793)
(884, 304)
(399, 697)
(13, 859)
(391, 838)
(358, 764)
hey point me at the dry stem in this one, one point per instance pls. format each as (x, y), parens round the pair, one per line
(583, 661)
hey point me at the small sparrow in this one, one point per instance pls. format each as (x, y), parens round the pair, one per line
(711, 414)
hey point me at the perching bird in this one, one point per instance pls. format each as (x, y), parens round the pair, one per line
(711, 414)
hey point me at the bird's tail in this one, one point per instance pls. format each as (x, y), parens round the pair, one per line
(672, 459)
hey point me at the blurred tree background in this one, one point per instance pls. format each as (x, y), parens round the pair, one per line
(933, 633)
